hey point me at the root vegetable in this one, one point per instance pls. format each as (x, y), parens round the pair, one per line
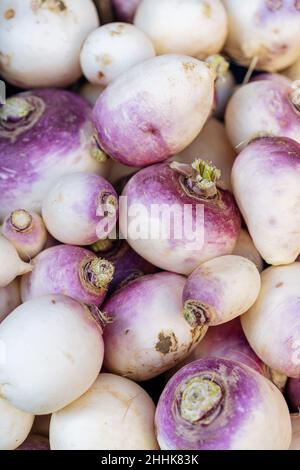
(224, 89)
(9, 298)
(246, 248)
(15, 425)
(11, 265)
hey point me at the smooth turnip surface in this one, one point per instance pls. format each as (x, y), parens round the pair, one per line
(53, 353)
(292, 394)
(263, 108)
(90, 92)
(263, 33)
(41, 39)
(192, 27)
(212, 145)
(295, 444)
(11, 264)
(68, 270)
(175, 189)
(35, 442)
(246, 248)
(220, 290)
(272, 325)
(265, 179)
(43, 135)
(80, 208)
(15, 425)
(26, 231)
(218, 404)
(9, 298)
(148, 333)
(115, 414)
(155, 109)
(113, 49)
(125, 9)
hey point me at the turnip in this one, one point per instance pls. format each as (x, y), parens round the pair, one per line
(52, 353)
(264, 107)
(125, 9)
(263, 34)
(26, 231)
(219, 404)
(128, 265)
(115, 413)
(35, 442)
(224, 88)
(15, 425)
(9, 298)
(295, 444)
(220, 290)
(194, 27)
(212, 144)
(148, 333)
(80, 208)
(91, 92)
(155, 109)
(68, 270)
(246, 248)
(113, 49)
(272, 325)
(176, 217)
(292, 393)
(43, 134)
(41, 39)
(265, 179)
(11, 264)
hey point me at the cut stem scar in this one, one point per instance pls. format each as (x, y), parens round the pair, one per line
(200, 400)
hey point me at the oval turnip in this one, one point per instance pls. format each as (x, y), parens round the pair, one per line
(15, 425)
(11, 264)
(9, 298)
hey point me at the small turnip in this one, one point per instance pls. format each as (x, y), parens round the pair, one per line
(148, 333)
(265, 179)
(246, 248)
(194, 27)
(155, 109)
(125, 9)
(295, 444)
(9, 298)
(53, 351)
(80, 208)
(11, 264)
(15, 425)
(115, 413)
(272, 325)
(113, 49)
(219, 404)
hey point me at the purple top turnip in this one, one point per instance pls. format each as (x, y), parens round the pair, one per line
(219, 404)
(43, 135)
(155, 109)
(68, 270)
(176, 217)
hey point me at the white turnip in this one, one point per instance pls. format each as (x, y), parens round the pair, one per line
(15, 425)
(11, 264)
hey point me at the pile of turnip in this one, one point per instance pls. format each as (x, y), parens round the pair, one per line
(150, 225)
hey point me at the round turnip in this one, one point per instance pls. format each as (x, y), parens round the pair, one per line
(68, 270)
(113, 49)
(43, 135)
(219, 404)
(41, 39)
(292, 394)
(80, 208)
(265, 179)
(53, 351)
(15, 425)
(295, 444)
(90, 92)
(125, 9)
(155, 109)
(11, 265)
(115, 413)
(9, 298)
(272, 325)
(246, 248)
(35, 442)
(264, 34)
(26, 231)
(176, 217)
(148, 333)
(194, 27)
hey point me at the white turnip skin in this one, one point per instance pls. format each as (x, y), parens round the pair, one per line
(295, 444)
(263, 33)
(11, 264)
(193, 27)
(269, 197)
(15, 425)
(148, 333)
(113, 49)
(272, 325)
(220, 290)
(219, 404)
(35, 442)
(53, 353)
(155, 109)
(264, 107)
(91, 92)
(224, 88)
(246, 248)
(26, 231)
(115, 413)
(41, 39)
(80, 209)
(125, 9)
(212, 145)
(9, 298)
